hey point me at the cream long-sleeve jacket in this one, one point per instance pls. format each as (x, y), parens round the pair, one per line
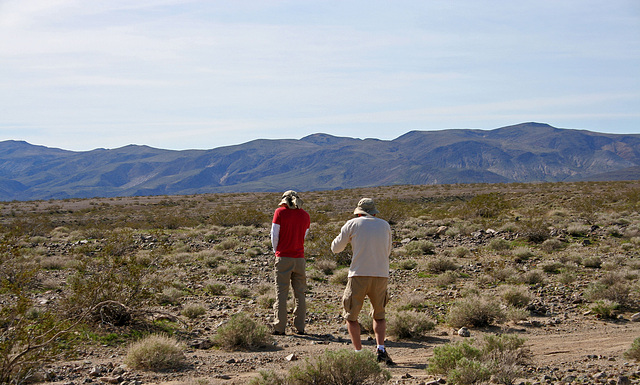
(370, 239)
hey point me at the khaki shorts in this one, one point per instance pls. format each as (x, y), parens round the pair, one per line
(357, 289)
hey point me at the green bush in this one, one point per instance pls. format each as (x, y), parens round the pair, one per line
(155, 353)
(340, 367)
(605, 309)
(241, 332)
(498, 356)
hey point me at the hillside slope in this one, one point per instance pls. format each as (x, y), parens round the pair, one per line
(525, 152)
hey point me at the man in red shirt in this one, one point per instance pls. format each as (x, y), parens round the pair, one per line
(289, 228)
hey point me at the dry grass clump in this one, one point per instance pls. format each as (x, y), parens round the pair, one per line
(418, 248)
(215, 288)
(155, 353)
(241, 332)
(325, 265)
(340, 277)
(475, 311)
(340, 367)
(408, 324)
(193, 311)
(516, 296)
(440, 265)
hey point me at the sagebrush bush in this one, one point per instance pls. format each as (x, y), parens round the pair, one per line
(215, 288)
(634, 352)
(340, 277)
(605, 309)
(474, 311)
(418, 248)
(340, 367)
(193, 311)
(241, 332)
(156, 352)
(592, 262)
(445, 279)
(499, 244)
(408, 324)
(498, 356)
(516, 296)
(440, 265)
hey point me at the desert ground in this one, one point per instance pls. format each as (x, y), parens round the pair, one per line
(556, 264)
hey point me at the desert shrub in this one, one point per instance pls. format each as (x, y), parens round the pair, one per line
(474, 311)
(155, 353)
(499, 357)
(460, 252)
(253, 252)
(108, 277)
(235, 269)
(418, 248)
(266, 301)
(340, 367)
(534, 229)
(592, 262)
(566, 277)
(440, 265)
(407, 264)
(318, 243)
(551, 245)
(532, 277)
(241, 332)
(340, 277)
(215, 288)
(408, 324)
(469, 372)
(268, 377)
(325, 265)
(238, 216)
(170, 296)
(412, 301)
(486, 205)
(605, 309)
(445, 279)
(522, 253)
(515, 314)
(551, 267)
(504, 274)
(613, 290)
(578, 230)
(516, 296)
(193, 311)
(240, 291)
(499, 244)
(228, 244)
(241, 230)
(634, 352)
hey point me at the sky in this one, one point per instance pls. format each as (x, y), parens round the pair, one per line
(180, 74)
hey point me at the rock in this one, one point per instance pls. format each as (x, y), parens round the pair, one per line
(407, 375)
(111, 380)
(623, 380)
(291, 357)
(201, 344)
(464, 332)
(635, 317)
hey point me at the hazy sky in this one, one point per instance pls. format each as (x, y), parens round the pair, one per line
(179, 74)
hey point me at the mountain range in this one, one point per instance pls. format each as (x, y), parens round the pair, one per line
(527, 152)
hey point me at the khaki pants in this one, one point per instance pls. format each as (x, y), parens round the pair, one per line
(290, 271)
